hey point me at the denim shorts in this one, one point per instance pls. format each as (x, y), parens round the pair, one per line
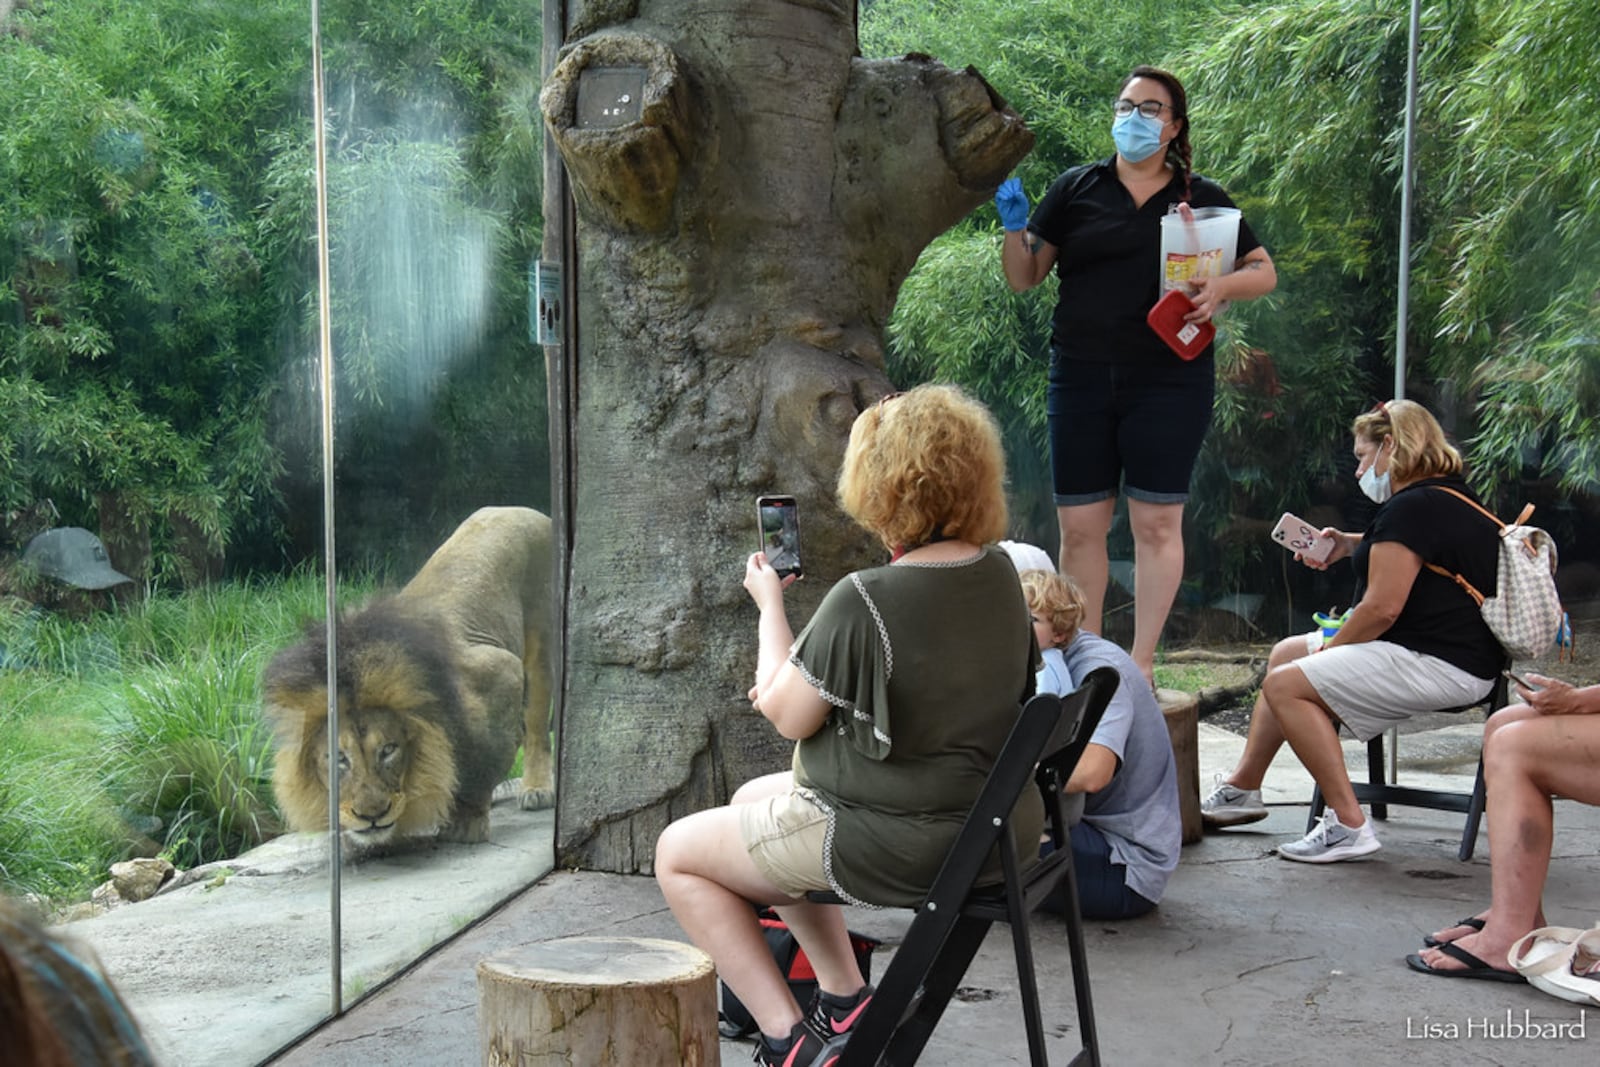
(1135, 428)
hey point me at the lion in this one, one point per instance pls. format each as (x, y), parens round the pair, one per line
(437, 686)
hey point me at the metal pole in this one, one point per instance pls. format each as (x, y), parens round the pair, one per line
(330, 583)
(1407, 165)
(1403, 288)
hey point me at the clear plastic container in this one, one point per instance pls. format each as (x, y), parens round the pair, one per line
(1204, 248)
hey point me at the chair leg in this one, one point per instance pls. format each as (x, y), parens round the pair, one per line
(1078, 953)
(1022, 948)
(938, 986)
(1469, 834)
(1377, 774)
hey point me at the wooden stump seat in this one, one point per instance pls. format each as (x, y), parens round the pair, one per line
(598, 1001)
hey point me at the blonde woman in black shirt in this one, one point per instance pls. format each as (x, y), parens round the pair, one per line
(1415, 641)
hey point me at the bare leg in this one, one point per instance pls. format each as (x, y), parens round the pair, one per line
(1526, 761)
(1084, 528)
(1158, 571)
(709, 881)
(1307, 725)
(1508, 714)
(1266, 736)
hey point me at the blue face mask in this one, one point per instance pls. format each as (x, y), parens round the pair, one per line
(1137, 137)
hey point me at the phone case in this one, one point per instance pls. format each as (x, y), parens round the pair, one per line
(1297, 535)
(778, 532)
(1187, 339)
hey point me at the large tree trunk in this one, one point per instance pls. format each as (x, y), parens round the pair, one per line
(750, 197)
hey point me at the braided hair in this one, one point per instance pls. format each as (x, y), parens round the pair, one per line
(1179, 155)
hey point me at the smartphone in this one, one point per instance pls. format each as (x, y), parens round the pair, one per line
(1513, 676)
(1298, 535)
(778, 526)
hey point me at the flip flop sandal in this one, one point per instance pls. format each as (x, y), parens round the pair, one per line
(1565, 967)
(1471, 920)
(1475, 968)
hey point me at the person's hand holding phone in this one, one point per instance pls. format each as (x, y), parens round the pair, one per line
(763, 583)
(1341, 549)
(1547, 696)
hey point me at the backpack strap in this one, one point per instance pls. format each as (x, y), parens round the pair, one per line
(1485, 512)
(1454, 577)
(1527, 511)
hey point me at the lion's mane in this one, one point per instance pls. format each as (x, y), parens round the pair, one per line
(437, 686)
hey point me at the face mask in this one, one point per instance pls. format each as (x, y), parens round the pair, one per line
(1137, 137)
(1376, 485)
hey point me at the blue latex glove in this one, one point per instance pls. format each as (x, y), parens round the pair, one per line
(1012, 203)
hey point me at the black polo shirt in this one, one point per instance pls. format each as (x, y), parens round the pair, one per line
(1108, 260)
(1440, 618)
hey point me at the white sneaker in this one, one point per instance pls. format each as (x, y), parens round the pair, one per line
(1229, 805)
(1331, 841)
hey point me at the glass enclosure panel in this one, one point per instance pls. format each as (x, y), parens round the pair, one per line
(154, 286)
(440, 411)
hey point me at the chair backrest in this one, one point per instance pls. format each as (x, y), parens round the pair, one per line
(1050, 730)
(990, 815)
(1084, 708)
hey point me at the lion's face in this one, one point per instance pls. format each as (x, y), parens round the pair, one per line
(396, 765)
(374, 764)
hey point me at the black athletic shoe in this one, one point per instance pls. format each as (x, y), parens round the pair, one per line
(806, 1048)
(835, 1020)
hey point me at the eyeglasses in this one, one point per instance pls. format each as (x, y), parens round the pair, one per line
(884, 399)
(1150, 109)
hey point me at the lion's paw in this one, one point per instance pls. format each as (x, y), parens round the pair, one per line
(537, 799)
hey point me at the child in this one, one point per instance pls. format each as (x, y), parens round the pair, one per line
(1126, 845)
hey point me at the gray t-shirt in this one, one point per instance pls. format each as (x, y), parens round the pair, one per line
(1137, 811)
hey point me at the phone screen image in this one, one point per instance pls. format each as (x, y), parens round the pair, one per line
(778, 520)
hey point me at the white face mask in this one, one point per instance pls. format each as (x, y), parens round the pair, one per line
(1376, 485)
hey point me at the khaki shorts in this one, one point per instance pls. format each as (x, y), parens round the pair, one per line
(1374, 685)
(787, 836)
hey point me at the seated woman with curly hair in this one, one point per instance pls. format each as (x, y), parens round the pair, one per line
(899, 694)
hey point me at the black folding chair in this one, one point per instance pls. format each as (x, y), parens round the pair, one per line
(950, 924)
(1379, 792)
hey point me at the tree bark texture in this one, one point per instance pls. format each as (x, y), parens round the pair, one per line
(751, 195)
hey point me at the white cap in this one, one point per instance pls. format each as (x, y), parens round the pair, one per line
(1026, 557)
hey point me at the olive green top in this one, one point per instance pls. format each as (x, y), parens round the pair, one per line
(926, 666)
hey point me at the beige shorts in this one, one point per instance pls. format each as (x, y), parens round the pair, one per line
(1374, 685)
(786, 837)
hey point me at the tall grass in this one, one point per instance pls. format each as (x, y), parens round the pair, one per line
(141, 721)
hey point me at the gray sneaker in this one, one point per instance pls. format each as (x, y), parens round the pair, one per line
(1230, 806)
(1331, 841)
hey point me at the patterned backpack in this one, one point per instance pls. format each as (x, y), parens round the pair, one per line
(1525, 613)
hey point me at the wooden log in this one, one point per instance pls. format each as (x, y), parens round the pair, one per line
(1182, 713)
(598, 1001)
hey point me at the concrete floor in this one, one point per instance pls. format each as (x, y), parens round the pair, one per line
(1250, 960)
